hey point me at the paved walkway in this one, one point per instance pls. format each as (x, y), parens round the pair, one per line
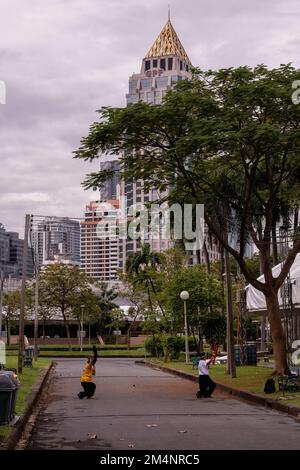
(136, 407)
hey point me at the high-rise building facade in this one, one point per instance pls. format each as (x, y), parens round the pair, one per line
(111, 188)
(54, 238)
(11, 255)
(165, 64)
(99, 241)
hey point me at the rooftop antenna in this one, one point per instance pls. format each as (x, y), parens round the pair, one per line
(169, 12)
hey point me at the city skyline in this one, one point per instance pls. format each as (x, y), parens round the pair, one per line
(56, 80)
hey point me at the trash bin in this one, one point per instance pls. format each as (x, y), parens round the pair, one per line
(251, 356)
(237, 354)
(9, 386)
(29, 354)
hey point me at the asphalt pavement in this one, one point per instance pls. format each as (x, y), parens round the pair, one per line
(136, 407)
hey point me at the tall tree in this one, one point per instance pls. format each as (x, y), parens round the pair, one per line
(60, 286)
(230, 139)
(142, 266)
(106, 296)
(205, 297)
(11, 304)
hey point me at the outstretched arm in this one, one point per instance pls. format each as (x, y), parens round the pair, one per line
(95, 355)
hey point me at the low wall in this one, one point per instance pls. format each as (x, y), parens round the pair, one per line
(138, 340)
(74, 341)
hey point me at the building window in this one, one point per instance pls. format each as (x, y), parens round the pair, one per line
(150, 97)
(181, 65)
(161, 82)
(147, 65)
(170, 63)
(155, 63)
(146, 84)
(132, 98)
(163, 64)
(187, 68)
(175, 79)
(132, 86)
(157, 97)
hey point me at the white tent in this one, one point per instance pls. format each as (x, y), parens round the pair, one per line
(256, 300)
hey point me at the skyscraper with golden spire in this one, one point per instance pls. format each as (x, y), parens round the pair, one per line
(165, 63)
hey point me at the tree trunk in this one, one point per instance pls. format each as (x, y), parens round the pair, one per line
(278, 335)
(130, 328)
(222, 271)
(274, 245)
(7, 331)
(206, 256)
(200, 343)
(296, 217)
(67, 329)
(155, 295)
(44, 329)
(79, 333)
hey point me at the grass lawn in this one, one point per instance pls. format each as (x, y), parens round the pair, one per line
(14, 347)
(103, 352)
(249, 378)
(27, 379)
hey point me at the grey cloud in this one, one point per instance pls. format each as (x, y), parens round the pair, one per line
(63, 59)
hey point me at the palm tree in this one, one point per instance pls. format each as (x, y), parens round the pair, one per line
(141, 266)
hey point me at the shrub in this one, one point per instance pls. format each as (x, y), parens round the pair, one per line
(153, 346)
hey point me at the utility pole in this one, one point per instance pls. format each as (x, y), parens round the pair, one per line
(36, 313)
(1, 300)
(23, 291)
(81, 328)
(263, 318)
(231, 368)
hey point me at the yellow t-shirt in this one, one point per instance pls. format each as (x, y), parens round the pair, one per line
(89, 370)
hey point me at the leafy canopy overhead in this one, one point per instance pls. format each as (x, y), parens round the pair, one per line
(229, 139)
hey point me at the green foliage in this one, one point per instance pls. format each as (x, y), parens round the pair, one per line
(66, 290)
(205, 295)
(141, 270)
(214, 329)
(229, 139)
(154, 346)
(168, 346)
(105, 300)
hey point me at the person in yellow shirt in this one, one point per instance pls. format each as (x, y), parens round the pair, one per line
(86, 380)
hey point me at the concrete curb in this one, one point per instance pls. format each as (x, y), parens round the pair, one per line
(248, 396)
(11, 441)
(99, 357)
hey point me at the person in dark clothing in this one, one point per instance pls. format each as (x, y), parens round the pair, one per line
(206, 385)
(87, 383)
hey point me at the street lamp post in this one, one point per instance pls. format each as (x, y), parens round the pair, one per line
(184, 295)
(1, 299)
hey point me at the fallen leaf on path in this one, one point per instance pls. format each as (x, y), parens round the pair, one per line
(131, 445)
(183, 432)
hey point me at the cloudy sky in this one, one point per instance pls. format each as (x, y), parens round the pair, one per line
(63, 59)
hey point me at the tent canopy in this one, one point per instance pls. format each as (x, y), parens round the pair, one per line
(256, 302)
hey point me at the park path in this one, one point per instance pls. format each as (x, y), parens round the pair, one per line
(136, 407)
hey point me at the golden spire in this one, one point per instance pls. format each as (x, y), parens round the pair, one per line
(168, 43)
